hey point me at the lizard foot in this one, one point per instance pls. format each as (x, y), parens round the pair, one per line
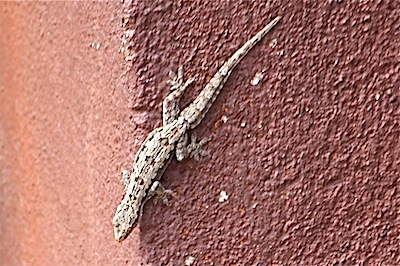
(196, 148)
(157, 191)
(177, 81)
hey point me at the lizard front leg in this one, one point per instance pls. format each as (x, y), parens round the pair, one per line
(158, 191)
(171, 102)
(126, 178)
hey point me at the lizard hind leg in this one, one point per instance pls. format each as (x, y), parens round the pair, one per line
(194, 149)
(171, 102)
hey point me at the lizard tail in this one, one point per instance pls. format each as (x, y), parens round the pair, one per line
(196, 111)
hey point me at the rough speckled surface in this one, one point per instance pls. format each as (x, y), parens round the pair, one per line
(309, 158)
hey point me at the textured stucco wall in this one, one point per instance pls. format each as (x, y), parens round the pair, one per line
(309, 158)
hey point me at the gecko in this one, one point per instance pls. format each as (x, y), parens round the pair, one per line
(156, 152)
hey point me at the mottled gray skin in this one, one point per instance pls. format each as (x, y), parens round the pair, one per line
(157, 150)
(151, 161)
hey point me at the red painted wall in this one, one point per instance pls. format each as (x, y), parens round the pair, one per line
(309, 158)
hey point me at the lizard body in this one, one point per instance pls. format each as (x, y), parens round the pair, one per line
(157, 150)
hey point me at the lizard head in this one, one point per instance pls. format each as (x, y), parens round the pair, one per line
(125, 219)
